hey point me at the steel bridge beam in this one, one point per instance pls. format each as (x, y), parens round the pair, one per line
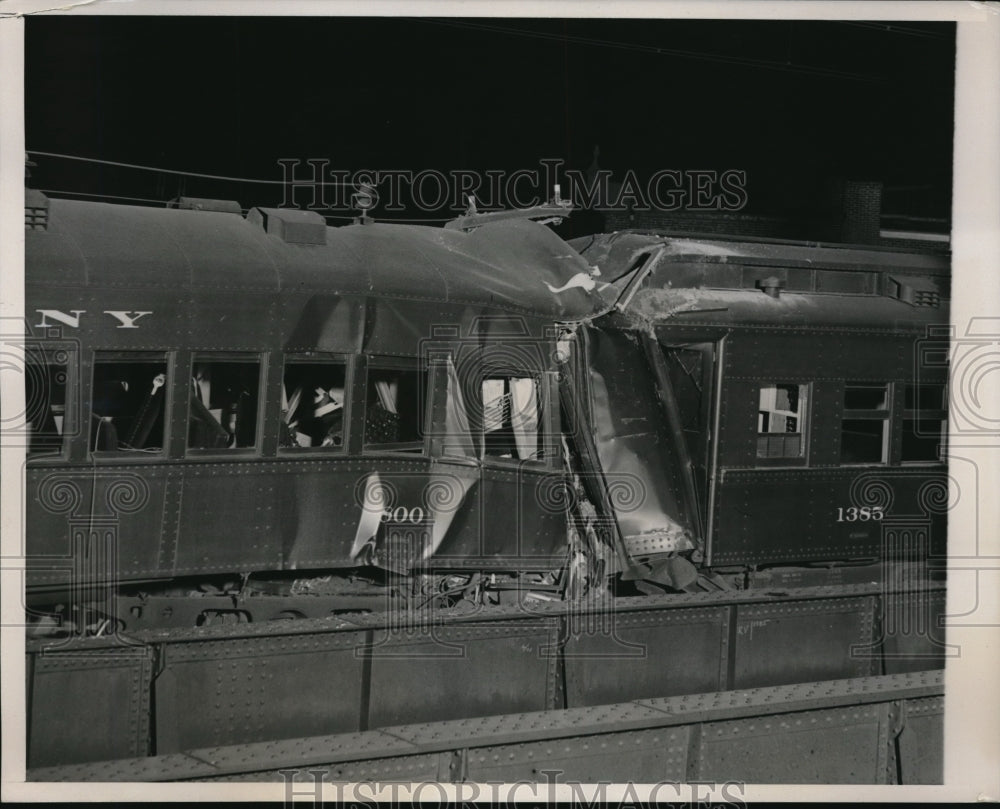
(872, 730)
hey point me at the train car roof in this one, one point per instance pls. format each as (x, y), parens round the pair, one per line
(721, 281)
(611, 251)
(746, 307)
(515, 265)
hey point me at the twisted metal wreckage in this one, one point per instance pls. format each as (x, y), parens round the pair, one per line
(469, 503)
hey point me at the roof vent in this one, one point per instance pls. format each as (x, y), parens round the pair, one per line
(290, 225)
(198, 204)
(914, 291)
(771, 286)
(36, 210)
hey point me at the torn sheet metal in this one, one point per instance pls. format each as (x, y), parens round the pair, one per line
(373, 506)
(656, 278)
(400, 527)
(643, 470)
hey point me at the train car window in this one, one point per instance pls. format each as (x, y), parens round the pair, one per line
(128, 402)
(864, 433)
(781, 421)
(223, 403)
(312, 404)
(925, 423)
(45, 381)
(512, 418)
(394, 409)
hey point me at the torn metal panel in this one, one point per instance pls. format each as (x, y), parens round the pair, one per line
(617, 250)
(753, 306)
(660, 278)
(397, 540)
(643, 467)
(554, 212)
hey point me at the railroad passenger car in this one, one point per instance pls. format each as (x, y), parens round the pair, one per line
(633, 466)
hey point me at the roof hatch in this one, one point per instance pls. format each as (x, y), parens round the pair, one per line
(290, 225)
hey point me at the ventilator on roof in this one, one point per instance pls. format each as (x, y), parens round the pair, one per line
(293, 226)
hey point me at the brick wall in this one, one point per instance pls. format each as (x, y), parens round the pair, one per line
(862, 208)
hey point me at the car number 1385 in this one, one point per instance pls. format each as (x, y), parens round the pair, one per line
(860, 514)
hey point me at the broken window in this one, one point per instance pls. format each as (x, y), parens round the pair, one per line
(312, 404)
(45, 381)
(512, 412)
(925, 423)
(128, 402)
(864, 434)
(394, 409)
(224, 399)
(781, 421)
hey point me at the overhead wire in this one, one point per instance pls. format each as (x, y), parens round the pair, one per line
(663, 51)
(892, 28)
(169, 171)
(110, 196)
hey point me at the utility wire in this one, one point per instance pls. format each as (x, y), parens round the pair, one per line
(109, 196)
(893, 28)
(170, 171)
(654, 49)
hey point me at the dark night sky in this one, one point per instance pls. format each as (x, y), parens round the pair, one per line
(233, 95)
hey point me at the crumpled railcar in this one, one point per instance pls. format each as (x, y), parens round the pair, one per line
(264, 455)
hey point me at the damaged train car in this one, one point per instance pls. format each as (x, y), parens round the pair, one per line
(303, 481)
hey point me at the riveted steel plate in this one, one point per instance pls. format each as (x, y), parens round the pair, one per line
(921, 742)
(803, 641)
(912, 631)
(834, 746)
(618, 656)
(303, 780)
(155, 768)
(262, 757)
(517, 728)
(88, 706)
(644, 756)
(448, 739)
(453, 672)
(798, 697)
(255, 689)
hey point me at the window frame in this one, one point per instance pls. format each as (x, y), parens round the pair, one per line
(919, 413)
(71, 430)
(886, 415)
(543, 386)
(469, 377)
(246, 357)
(322, 358)
(374, 362)
(805, 422)
(126, 356)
